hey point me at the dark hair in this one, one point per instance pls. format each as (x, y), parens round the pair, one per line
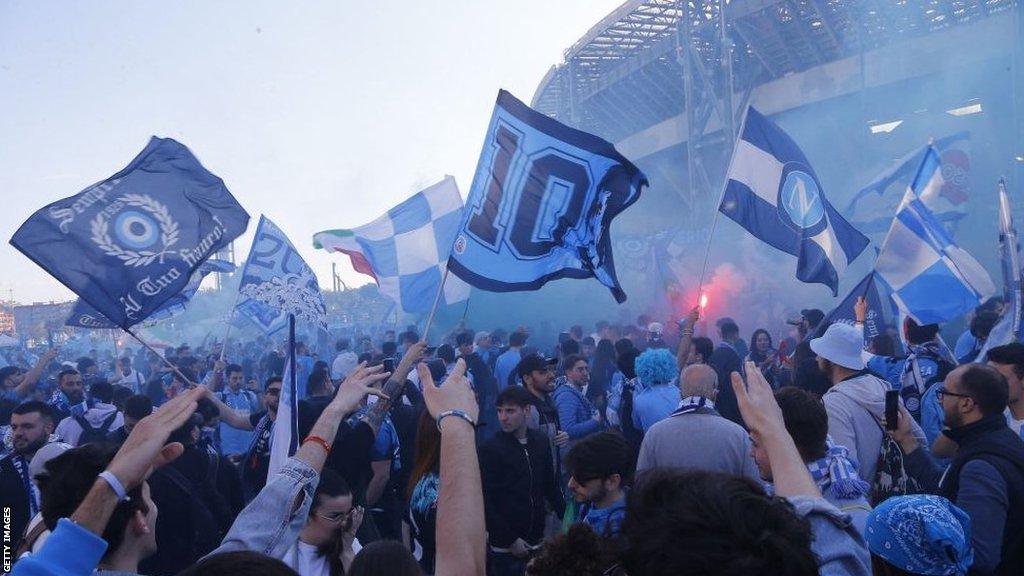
(514, 396)
(806, 421)
(627, 363)
(753, 337)
(84, 363)
(410, 337)
(232, 368)
(983, 323)
(990, 305)
(186, 373)
(102, 391)
(517, 339)
(463, 338)
(729, 329)
(271, 380)
(317, 382)
(331, 485)
(34, 406)
(343, 344)
(578, 552)
(121, 394)
(917, 334)
(704, 522)
(66, 372)
(8, 371)
(1009, 355)
(138, 406)
(987, 386)
(588, 341)
(703, 346)
(569, 347)
(384, 557)
(577, 331)
(388, 349)
(238, 564)
(599, 456)
(883, 345)
(446, 352)
(67, 480)
(622, 345)
(571, 361)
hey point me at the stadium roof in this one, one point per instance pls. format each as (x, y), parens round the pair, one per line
(627, 73)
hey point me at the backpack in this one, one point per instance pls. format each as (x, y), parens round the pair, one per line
(90, 434)
(250, 397)
(891, 477)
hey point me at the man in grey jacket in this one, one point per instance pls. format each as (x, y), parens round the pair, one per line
(855, 402)
(712, 443)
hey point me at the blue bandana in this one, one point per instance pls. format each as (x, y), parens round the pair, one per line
(921, 534)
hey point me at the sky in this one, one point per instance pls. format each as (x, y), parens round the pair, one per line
(319, 115)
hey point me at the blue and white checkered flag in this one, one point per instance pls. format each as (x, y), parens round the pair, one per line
(932, 279)
(406, 250)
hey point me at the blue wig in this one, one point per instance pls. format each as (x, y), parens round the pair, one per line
(656, 366)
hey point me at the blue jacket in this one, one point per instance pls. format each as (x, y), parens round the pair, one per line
(575, 412)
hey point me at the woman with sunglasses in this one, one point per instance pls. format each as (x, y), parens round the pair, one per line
(325, 545)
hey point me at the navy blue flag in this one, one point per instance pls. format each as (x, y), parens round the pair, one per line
(774, 194)
(133, 241)
(542, 201)
(882, 313)
(85, 316)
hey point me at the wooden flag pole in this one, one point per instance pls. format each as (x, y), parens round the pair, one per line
(167, 362)
(437, 300)
(718, 207)
(231, 320)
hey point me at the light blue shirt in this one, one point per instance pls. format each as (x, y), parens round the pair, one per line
(505, 365)
(232, 440)
(654, 405)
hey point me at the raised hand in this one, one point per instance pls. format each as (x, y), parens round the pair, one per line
(456, 394)
(757, 402)
(145, 447)
(358, 385)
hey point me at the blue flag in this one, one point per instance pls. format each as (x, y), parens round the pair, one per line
(276, 282)
(131, 242)
(85, 316)
(1009, 328)
(931, 278)
(774, 194)
(542, 201)
(881, 312)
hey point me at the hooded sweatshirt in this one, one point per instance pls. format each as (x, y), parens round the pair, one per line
(856, 409)
(69, 430)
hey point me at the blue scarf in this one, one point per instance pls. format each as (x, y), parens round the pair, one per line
(837, 474)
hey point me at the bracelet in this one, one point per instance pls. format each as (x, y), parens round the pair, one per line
(319, 441)
(115, 485)
(458, 413)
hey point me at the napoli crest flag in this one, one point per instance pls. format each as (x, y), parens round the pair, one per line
(276, 282)
(774, 194)
(85, 316)
(131, 242)
(542, 201)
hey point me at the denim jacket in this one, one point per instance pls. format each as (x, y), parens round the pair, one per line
(271, 523)
(841, 551)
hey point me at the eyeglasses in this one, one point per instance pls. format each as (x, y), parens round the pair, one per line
(943, 392)
(336, 517)
(273, 391)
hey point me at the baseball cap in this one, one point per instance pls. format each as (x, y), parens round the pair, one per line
(534, 362)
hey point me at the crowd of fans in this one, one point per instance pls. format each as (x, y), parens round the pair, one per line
(636, 450)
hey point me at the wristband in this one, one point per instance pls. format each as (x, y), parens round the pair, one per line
(319, 441)
(115, 485)
(458, 413)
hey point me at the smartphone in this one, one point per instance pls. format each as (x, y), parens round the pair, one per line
(437, 369)
(389, 364)
(892, 409)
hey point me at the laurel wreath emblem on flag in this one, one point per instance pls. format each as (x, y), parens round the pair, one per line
(100, 228)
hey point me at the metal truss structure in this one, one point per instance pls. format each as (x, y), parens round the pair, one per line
(652, 60)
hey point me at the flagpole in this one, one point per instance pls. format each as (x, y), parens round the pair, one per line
(437, 300)
(465, 311)
(231, 320)
(161, 357)
(718, 206)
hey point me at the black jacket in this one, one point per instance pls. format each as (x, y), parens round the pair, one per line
(14, 499)
(517, 480)
(350, 454)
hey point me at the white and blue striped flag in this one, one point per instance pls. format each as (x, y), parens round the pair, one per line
(931, 278)
(774, 194)
(1008, 329)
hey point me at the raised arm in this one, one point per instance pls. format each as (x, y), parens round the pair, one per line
(394, 385)
(228, 415)
(461, 531)
(683, 351)
(28, 383)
